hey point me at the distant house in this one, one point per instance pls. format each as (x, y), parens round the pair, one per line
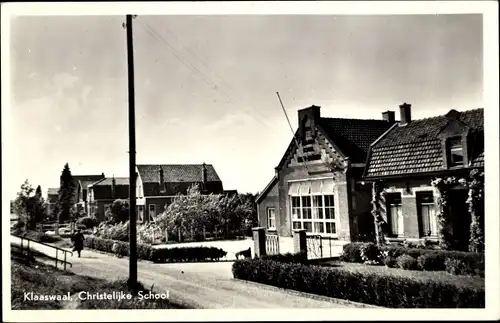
(52, 196)
(157, 185)
(413, 152)
(318, 183)
(104, 192)
(81, 183)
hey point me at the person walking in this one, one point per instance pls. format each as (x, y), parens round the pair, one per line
(78, 239)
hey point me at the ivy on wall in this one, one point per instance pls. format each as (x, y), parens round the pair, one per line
(378, 204)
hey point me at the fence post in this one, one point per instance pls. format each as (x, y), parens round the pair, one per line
(65, 261)
(299, 241)
(259, 240)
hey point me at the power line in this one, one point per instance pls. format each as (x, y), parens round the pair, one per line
(153, 33)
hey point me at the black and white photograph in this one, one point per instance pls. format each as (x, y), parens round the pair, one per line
(236, 157)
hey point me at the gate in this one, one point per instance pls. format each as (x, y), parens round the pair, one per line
(321, 247)
(272, 244)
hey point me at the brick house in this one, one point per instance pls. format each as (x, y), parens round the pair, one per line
(81, 183)
(318, 183)
(157, 185)
(405, 159)
(52, 196)
(104, 192)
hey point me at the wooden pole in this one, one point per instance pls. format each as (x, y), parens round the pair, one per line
(132, 174)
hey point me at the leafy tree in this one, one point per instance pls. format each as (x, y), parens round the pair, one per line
(30, 209)
(118, 212)
(65, 205)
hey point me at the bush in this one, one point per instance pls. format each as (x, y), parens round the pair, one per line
(390, 262)
(41, 237)
(87, 222)
(370, 253)
(146, 252)
(433, 260)
(407, 262)
(351, 252)
(300, 257)
(369, 288)
(458, 267)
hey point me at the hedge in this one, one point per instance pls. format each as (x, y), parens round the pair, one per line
(427, 259)
(300, 258)
(147, 252)
(369, 288)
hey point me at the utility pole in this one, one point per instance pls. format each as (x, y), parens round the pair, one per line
(132, 175)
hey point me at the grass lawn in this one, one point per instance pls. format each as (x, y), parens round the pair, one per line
(29, 275)
(442, 276)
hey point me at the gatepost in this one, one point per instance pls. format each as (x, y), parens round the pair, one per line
(299, 241)
(259, 240)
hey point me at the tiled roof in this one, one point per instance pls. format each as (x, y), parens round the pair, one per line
(416, 147)
(353, 136)
(176, 173)
(108, 181)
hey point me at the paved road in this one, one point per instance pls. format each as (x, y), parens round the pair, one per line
(201, 285)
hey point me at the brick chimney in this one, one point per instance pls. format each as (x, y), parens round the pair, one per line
(389, 116)
(405, 113)
(113, 187)
(162, 179)
(204, 175)
(311, 114)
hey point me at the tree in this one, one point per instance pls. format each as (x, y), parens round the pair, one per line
(29, 208)
(118, 212)
(65, 203)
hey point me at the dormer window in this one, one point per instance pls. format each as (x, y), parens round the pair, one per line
(456, 152)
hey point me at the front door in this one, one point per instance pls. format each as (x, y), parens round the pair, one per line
(461, 218)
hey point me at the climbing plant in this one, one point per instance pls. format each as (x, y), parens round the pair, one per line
(475, 183)
(443, 185)
(378, 204)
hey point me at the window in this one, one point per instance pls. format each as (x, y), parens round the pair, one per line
(271, 218)
(313, 211)
(395, 215)
(140, 213)
(456, 154)
(152, 211)
(427, 214)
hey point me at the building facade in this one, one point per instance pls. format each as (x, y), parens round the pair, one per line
(104, 192)
(410, 155)
(157, 185)
(81, 183)
(318, 183)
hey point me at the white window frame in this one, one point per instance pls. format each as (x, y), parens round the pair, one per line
(433, 225)
(297, 214)
(271, 219)
(457, 147)
(140, 217)
(398, 218)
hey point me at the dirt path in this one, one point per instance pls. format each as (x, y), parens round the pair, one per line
(200, 285)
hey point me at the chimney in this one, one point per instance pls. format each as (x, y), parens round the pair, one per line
(162, 179)
(389, 116)
(204, 175)
(405, 113)
(453, 115)
(311, 116)
(113, 187)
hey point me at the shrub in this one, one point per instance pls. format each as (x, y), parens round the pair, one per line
(431, 262)
(88, 222)
(288, 257)
(369, 288)
(390, 262)
(370, 253)
(407, 262)
(458, 267)
(351, 252)
(41, 237)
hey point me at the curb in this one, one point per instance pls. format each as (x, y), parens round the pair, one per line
(307, 295)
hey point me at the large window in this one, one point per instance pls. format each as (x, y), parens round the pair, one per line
(455, 152)
(313, 210)
(152, 211)
(395, 215)
(140, 213)
(271, 218)
(427, 214)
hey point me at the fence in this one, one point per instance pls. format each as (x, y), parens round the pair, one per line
(64, 252)
(272, 244)
(321, 247)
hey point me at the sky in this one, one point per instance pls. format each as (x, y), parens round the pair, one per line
(205, 86)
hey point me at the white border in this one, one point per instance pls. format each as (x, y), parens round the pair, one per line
(489, 9)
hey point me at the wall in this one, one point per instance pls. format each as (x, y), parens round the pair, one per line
(271, 200)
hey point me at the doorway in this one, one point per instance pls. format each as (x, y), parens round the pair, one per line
(461, 218)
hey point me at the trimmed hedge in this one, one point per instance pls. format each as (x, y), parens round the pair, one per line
(300, 258)
(427, 259)
(147, 252)
(368, 288)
